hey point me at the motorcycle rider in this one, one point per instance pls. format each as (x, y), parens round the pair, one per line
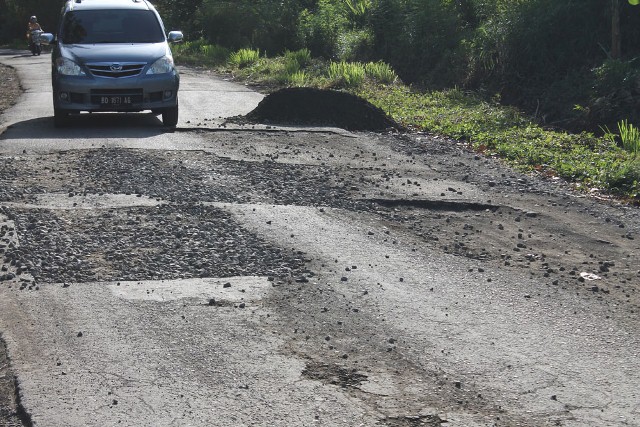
(32, 26)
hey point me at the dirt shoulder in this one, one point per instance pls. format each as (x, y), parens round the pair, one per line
(9, 86)
(11, 90)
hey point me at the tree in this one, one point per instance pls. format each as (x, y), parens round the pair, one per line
(615, 27)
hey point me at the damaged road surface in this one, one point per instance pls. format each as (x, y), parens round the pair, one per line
(238, 273)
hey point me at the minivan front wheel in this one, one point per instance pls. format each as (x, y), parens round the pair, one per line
(170, 116)
(60, 118)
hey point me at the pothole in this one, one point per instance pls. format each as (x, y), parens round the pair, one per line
(443, 205)
(319, 107)
(414, 421)
(333, 374)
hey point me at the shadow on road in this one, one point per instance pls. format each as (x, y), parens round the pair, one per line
(19, 53)
(89, 126)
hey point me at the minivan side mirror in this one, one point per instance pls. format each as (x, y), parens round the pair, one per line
(174, 36)
(47, 39)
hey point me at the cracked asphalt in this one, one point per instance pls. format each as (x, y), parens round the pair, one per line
(228, 274)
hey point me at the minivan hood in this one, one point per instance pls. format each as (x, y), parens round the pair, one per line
(92, 53)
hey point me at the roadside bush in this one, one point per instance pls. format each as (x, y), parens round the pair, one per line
(355, 45)
(244, 57)
(381, 72)
(297, 79)
(623, 177)
(419, 38)
(302, 57)
(615, 93)
(628, 134)
(319, 29)
(347, 74)
(199, 52)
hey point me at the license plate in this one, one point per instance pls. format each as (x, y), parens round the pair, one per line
(116, 100)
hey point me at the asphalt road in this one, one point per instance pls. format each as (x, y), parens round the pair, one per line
(237, 275)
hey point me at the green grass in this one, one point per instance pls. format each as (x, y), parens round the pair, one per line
(630, 136)
(199, 52)
(346, 74)
(381, 72)
(302, 57)
(588, 161)
(244, 57)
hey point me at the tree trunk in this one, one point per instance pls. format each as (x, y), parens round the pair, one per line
(615, 29)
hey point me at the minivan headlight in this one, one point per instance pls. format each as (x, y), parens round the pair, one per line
(67, 67)
(161, 66)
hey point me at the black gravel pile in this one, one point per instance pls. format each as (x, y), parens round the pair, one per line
(310, 106)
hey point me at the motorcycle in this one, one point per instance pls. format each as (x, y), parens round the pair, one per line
(35, 45)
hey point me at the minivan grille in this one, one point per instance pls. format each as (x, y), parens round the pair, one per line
(116, 70)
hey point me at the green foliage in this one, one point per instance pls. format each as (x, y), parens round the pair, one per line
(14, 15)
(199, 52)
(630, 137)
(244, 57)
(297, 79)
(538, 54)
(319, 29)
(181, 15)
(583, 158)
(613, 93)
(291, 66)
(623, 177)
(269, 25)
(302, 57)
(214, 52)
(346, 74)
(381, 72)
(354, 45)
(420, 38)
(358, 10)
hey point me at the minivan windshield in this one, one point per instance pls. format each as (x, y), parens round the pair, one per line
(111, 26)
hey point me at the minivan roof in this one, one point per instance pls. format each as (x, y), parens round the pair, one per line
(108, 4)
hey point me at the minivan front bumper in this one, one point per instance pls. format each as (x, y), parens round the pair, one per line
(89, 93)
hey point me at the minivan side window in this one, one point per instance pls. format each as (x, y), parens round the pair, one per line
(111, 26)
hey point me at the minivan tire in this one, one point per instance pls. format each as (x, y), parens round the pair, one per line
(60, 118)
(170, 116)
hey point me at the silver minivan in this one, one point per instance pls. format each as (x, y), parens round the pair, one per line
(113, 55)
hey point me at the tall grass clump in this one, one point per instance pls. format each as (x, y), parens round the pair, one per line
(297, 79)
(302, 57)
(199, 52)
(381, 72)
(244, 57)
(187, 51)
(215, 53)
(630, 136)
(349, 74)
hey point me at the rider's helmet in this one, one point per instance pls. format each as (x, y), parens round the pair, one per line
(33, 19)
